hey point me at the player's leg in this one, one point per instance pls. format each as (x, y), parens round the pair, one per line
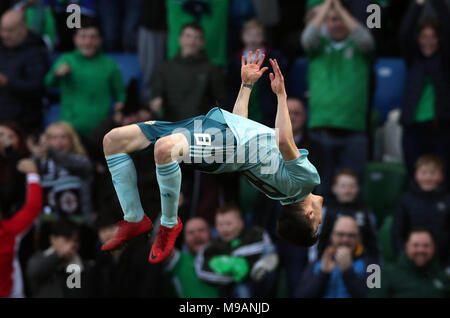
(168, 151)
(117, 144)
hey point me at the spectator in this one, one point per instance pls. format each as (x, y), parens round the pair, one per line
(240, 260)
(341, 272)
(416, 274)
(179, 271)
(345, 203)
(88, 80)
(188, 84)
(46, 270)
(211, 15)
(339, 57)
(262, 104)
(88, 8)
(152, 41)
(119, 22)
(12, 149)
(125, 272)
(12, 229)
(23, 63)
(426, 204)
(425, 109)
(40, 20)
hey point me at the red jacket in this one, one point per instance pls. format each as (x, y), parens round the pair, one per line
(12, 230)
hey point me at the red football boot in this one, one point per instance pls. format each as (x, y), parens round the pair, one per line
(127, 231)
(164, 242)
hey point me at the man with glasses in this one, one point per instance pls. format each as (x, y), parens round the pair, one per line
(341, 272)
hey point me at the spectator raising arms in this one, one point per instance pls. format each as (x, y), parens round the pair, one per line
(12, 229)
(426, 103)
(339, 56)
(23, 64)
(88, 80)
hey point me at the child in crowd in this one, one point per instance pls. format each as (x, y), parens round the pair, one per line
(345, 202)
(242, 260)
(425, 204)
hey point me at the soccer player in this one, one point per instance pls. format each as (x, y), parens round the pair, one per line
(218, 142)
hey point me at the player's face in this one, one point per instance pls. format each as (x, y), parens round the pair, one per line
(229, 225)
(314, 203)
(196, 235)
(429, 177)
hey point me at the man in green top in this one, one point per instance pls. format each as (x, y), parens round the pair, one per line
(416, 273)
(339, 53)
(88, 80)
(179, 270)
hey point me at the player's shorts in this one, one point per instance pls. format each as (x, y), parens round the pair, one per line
(210, 139)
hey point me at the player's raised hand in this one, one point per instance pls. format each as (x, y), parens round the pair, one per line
(276, 78)
(251, 71)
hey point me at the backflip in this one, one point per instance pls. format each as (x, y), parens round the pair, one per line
(218, 142)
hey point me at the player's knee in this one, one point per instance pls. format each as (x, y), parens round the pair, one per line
(163, 151)
(111, 142)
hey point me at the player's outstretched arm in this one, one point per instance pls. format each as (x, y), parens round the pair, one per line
(250, 73)
(283, 124)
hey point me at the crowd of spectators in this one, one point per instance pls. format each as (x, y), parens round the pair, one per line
(57, 200)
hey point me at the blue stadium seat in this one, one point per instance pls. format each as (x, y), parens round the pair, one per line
(390, 76)
(297, 84)
(51, 115)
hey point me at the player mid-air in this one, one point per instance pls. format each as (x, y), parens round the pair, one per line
(218, 142)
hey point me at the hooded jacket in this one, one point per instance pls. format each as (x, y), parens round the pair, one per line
(418, 208)
(406, 280)
(189, 86)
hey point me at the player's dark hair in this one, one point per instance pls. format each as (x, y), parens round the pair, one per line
(193, 25)
(295, 227)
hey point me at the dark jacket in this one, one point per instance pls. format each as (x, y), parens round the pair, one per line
(189, 86)
(418, 208)
(131, 275)
(25, 66)
(48, 278)
(351, 283)
(437, 67)
(405, 280)
(334, 210)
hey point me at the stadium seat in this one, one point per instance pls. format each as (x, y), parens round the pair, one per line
(297, 84)
(385, 240)
(390, 76)
(51, 115)
(383, 185)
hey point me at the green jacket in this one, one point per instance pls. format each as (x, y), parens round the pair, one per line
(87, 91)
(189, 86)
(405, 280)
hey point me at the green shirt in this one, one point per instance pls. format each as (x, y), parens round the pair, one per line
(338, 79)
(425, 106)
(87, 90)
(181, 279)
(214, 25)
